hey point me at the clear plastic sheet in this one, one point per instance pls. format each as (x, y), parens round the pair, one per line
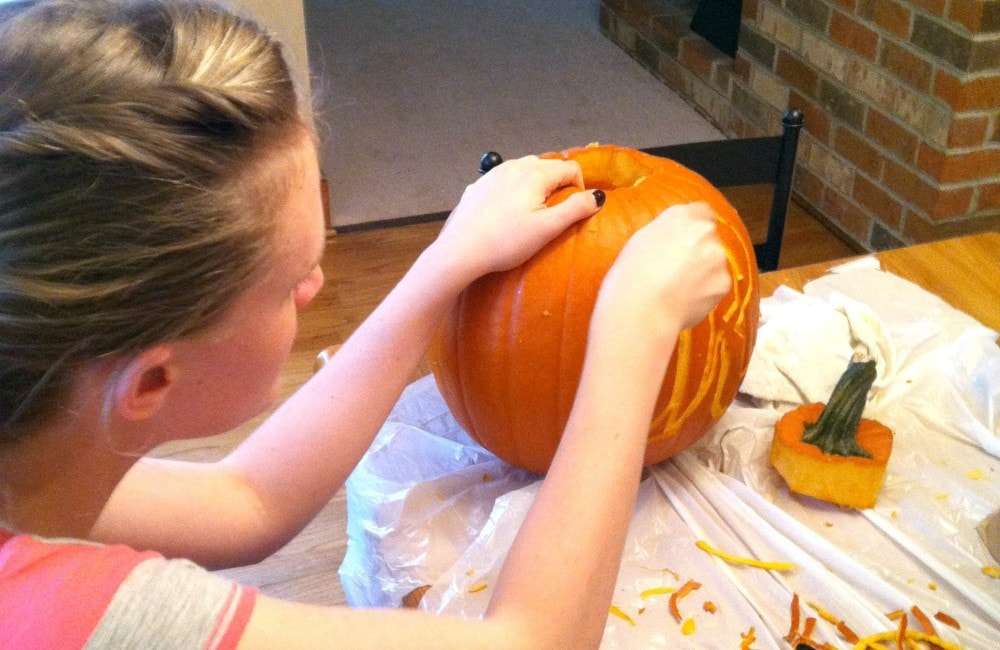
(429, 507)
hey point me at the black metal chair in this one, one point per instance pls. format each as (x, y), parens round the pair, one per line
(742, 161)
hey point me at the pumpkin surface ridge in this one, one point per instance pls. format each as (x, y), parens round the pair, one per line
(647, 203)
(631, 205)
(561, 378)
(568, 345)
(513, 366)
(453, 346)
(623, 227)
(461, 366)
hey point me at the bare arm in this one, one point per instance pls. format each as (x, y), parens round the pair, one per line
(305, 451)
(556, 583)
(246, 506)
(555, 586)
(564, 562)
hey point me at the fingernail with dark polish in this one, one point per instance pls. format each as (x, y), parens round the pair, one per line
(600, 197)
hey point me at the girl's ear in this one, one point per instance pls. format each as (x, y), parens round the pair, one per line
(142, 385)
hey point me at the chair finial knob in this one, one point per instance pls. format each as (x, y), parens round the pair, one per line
(793, 117)
(488, 161)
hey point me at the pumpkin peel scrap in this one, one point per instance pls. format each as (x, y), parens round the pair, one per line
(891, 635)
(676, 597)
(924, 621)
(947, 620)
(744, 561)
(617, 612)
(656, 591)
(796, 613)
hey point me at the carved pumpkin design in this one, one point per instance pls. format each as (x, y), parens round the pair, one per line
(508, 359)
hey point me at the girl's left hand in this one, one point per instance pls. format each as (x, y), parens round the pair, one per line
(502, 219)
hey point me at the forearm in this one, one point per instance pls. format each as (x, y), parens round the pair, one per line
(564, 562)
(304, 452)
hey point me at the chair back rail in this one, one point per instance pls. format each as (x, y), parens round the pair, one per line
(749, 161)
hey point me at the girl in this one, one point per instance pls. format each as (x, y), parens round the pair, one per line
(160, 226)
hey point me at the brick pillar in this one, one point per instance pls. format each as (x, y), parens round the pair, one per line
(902, 101)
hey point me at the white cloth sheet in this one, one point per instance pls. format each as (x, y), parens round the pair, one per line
(428, 506)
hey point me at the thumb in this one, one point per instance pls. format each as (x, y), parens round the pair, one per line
(578, 206)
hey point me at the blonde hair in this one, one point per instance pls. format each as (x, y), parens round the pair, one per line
(129, 210)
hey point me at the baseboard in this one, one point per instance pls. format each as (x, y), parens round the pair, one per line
(324, 191)
(392, 223)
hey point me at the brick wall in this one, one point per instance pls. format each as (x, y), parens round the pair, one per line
(902, 101)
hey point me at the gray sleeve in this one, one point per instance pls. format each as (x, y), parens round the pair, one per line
(169, 604)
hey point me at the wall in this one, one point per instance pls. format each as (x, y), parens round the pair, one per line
(901, 99)
(287, 19)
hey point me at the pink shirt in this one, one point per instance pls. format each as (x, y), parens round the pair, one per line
(63, 593)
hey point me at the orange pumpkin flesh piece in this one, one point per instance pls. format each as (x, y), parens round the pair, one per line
(509, 357)
(847, 480)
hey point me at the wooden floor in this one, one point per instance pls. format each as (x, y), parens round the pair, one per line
(361, 268)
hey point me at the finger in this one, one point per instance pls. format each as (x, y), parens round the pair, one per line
(702, 210)
(578, 206)
(559, 173)
(698, 211)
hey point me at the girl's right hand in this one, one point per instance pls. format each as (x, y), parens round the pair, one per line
(502, 219)
(669, 275)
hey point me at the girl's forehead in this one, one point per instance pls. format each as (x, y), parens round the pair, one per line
(300, 226)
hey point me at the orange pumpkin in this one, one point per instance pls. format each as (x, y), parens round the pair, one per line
(508, 358)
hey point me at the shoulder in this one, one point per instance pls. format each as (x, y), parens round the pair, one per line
(74, 594)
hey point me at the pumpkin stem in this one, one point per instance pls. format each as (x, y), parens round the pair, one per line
(836, 430)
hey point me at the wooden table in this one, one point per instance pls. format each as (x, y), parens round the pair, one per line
(965, 272)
